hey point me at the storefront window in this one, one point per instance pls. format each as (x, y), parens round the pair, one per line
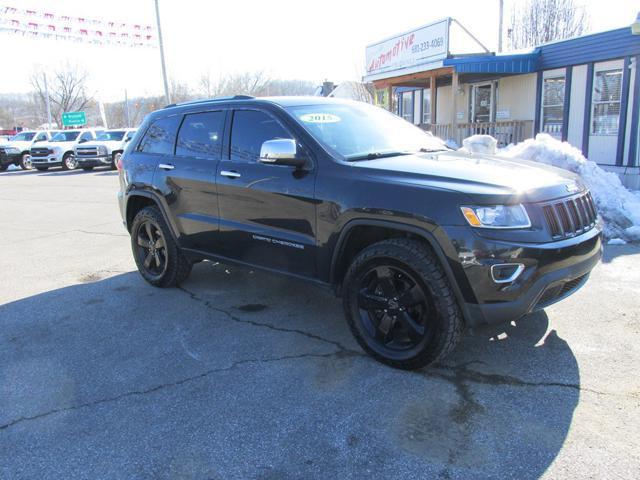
(605, 115)
(426, 105)
(553, 106)
(407, 106)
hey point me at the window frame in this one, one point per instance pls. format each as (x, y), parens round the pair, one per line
(561, 105)
(226, 157)
(595, 102)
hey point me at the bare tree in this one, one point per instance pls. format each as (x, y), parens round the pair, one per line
(534, 22)
(67, 91)
(251, 83)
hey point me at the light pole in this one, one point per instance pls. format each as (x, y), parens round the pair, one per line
(500, 25)
(164, 67)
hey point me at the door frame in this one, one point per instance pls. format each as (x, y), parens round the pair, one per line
(492, 99)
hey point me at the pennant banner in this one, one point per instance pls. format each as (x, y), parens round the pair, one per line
(37, 24)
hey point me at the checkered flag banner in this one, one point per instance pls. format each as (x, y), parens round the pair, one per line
(38, 24)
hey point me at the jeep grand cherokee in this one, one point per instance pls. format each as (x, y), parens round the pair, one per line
(419, 240)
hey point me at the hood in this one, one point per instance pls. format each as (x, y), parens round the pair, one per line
(53, 145)
(20, 144)
(487, 178)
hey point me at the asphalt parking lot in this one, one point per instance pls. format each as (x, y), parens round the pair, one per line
(240, 374)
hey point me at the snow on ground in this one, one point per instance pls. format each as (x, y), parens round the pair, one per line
(618, 206)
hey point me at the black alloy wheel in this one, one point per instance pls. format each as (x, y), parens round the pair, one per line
(151, 248)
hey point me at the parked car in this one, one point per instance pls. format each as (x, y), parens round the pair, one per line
(420, 240)
(16, 151)
(105, 151)
(58, 152)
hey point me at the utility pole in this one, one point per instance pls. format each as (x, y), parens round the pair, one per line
(164, 67)
(46, 101)
(126, 108)
(500, 25)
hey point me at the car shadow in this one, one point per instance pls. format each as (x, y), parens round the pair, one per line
(238, 367)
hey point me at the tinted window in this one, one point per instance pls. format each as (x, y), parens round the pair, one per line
(201, 135)
(161, 136)
(66, 136)
(250, 130)
(86, 136)
(41, 137)
(113, 135)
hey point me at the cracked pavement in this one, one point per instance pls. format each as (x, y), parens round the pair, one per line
(240, 374)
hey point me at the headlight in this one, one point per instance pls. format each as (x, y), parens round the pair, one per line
(497, 216)
(102, 149)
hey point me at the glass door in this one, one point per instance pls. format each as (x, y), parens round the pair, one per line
(482, 103)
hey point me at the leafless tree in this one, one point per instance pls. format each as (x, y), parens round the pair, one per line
(67, 91)
(534, 22)
(251, 83)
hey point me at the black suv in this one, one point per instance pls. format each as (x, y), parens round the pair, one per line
(419, 240)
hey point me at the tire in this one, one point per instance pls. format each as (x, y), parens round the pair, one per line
(115, 158)
(69, 162)
(87, 169)
(149, 226)
(3, 168)
(42, 169)
(25, 162)
(400, 306)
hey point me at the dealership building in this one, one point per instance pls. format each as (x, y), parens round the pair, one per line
(583, 90)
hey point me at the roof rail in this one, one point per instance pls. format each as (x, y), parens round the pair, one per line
(215, 99)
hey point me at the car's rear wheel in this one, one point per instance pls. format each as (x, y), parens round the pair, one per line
(115, 158)
(25, 162)
(156, 253)
(400, 306)
(69, 161)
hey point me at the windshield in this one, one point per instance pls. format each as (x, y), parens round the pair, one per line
(361, 131)
(110, 136)
(23, 137)
(65, 136)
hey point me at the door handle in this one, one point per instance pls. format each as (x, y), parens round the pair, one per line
(230, 174)
(166, 166)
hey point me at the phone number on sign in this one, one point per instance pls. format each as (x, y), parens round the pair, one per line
(424, 46)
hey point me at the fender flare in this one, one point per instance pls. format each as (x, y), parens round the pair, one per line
(421, 232)
(134, 192)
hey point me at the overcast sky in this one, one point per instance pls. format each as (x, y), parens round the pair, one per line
(284, 38)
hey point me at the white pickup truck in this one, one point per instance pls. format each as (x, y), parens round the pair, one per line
(58, 152)
(106, 150)
(16, 151)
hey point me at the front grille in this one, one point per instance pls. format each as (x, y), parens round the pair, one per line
(559, 290)
(39, 152)
(570, 217)
(87, 152)
(2, 151)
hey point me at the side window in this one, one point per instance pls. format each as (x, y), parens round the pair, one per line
(41, 137)
(250, 130)
(161, 136)
(201, 135)
(86, 136)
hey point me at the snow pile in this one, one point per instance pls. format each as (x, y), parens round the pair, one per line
(618, 206)
(485, 144)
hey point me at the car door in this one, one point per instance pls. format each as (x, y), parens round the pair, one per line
(267, 212)
(187, 179)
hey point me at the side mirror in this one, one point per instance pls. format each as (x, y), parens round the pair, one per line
(127, 139)
(281, 151)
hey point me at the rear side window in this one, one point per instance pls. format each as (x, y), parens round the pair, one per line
(201, 135)
(251, 128)
(161, 136)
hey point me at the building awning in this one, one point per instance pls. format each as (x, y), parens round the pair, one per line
(507, 64)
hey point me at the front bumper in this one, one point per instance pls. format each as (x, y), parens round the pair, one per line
(48, 161)
(552, 272)
(99, 161)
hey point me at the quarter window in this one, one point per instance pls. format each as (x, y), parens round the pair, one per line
(160, 138)
(201, 135)
(605, 117)
(553, 106)
(251, 128)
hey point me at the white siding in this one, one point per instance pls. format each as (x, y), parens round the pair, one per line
(517, 95)
(576, 106)
(444, 106)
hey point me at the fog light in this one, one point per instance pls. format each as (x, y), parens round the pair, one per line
(506, 272)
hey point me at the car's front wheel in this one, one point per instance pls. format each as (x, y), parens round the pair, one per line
(25, 162)
(69, 161)
(399, 304)
(115, 158)
(156, 253)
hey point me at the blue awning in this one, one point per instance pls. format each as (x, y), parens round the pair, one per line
(517, 63)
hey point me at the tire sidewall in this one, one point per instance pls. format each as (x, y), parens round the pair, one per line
(25, 162)
(65, 158)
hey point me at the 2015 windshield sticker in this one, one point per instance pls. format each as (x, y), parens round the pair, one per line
(320, 118)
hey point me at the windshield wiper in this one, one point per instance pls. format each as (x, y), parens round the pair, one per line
(376, 155)
(432, 150)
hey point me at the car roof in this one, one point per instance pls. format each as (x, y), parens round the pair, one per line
(283, 101)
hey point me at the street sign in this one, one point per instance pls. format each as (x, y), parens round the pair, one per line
(74, 119)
